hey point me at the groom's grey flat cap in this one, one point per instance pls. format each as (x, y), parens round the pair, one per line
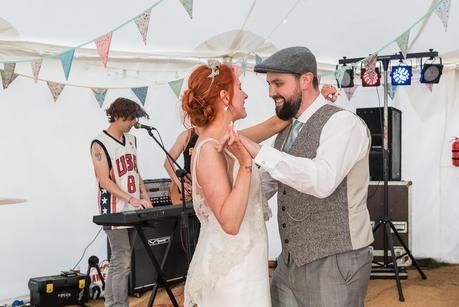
(292, 60)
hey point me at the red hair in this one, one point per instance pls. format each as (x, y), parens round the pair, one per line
(199, 100)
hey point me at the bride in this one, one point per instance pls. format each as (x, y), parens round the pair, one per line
(230, 262)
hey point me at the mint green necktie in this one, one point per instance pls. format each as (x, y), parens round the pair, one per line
(293, 134)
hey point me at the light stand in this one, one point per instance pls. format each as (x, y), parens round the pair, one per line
(385, 221)
(184, 216)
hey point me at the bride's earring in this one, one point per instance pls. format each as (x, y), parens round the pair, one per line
(225, 108)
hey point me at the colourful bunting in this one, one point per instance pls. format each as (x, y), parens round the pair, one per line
(188, 5)
(391, 90)
(103, 47)
(176, 86)
(141, 93)
(370, 65)
(339, 74)
(56, 89)
(350, 92)
(66, 60)
(429, 86)
(36, 66)
(442, 11)
(402, 42)
(258, 59)
(142, 23)
(100, 93)
(243, 64)
(8, 74)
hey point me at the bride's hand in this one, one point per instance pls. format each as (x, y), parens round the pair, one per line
(236, 147)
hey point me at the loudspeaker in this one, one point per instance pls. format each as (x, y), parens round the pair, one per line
(373, 117)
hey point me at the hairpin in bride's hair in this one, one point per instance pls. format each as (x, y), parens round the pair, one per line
(213, 65)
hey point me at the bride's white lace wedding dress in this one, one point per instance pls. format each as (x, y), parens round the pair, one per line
(229, 270)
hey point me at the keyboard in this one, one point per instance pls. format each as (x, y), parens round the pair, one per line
(141, 216)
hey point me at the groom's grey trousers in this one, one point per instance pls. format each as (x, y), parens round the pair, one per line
(337, 280)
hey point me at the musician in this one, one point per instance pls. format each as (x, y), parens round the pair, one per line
(184, 144)
(114, 156)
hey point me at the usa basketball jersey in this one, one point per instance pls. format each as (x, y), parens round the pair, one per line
(122, 163)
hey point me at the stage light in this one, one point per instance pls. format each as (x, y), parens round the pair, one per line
(401, 75)
(431, 73)
(367, 81)
(348, 79)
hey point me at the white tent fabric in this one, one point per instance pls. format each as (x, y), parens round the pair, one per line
(45, 148)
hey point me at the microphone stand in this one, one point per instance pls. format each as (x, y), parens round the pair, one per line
(181, 173)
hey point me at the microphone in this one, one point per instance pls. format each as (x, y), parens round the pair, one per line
(140, 126)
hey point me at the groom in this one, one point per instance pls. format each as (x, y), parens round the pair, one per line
(319, 169)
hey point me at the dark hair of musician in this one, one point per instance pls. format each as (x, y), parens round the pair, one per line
(199, 100)
(126, 109)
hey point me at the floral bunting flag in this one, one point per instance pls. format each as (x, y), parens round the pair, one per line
(56, 89)
(350, 92)
(188, 5)
(142, 23)
(429, 86)
(141, 93)
(176, 86)
(103, 47)
(8, 74)
(36, 66)
(391, 90)
(370, 65)
(442, 11)
(99, 93)
(66, 60)
(402, 42)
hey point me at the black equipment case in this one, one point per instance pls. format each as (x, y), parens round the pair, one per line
(58, 290)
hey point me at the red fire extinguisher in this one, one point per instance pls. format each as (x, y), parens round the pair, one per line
(455, 151)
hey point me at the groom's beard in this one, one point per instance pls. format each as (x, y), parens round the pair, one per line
(290, 107)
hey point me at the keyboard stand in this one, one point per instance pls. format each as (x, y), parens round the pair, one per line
(161, 281)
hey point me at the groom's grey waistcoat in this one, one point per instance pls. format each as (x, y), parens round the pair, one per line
(312, 228)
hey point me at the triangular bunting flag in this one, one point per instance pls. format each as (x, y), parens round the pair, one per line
(141, 93)
(370, 65)
(442, 11)
(258, 59)
(36, 66)
(176, 86)
(188, 5)
(103, 47)
(391, 90)
(402, 42)
(100, 93)
(429, 86)
(243, 65)
(339, 74)
(66, 60)
(8, 74)
(350, 92)
(56, 89)
(142, 23)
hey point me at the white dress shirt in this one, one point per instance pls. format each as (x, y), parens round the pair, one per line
(344, 141)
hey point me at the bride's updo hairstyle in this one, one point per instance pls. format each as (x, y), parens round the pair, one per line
(200, 99)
